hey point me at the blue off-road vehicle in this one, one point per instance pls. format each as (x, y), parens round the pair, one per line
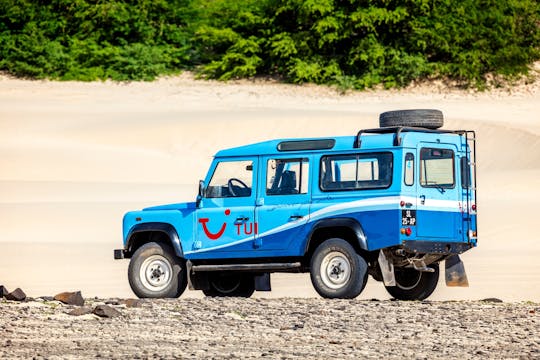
(392, 202)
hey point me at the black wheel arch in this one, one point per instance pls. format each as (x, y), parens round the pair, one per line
(348, 229)
(143, 233)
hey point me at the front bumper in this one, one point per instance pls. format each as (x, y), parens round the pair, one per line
(120, 254)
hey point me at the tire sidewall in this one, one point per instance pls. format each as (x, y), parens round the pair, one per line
(245, 287)
(358, 276)
(422, 290)
(178, 281)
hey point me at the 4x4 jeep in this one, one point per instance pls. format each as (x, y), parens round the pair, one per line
(391, 202)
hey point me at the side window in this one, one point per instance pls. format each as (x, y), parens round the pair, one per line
(409, 169)
(437, 168)
(356, 171)
(231, 179)
(465, 173)
(287, 176)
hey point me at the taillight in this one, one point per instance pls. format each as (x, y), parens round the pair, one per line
(402, 203)
(406, 231)
(473, 207)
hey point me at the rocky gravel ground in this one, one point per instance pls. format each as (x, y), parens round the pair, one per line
(227, 328)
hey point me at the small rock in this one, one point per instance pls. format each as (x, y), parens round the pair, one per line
(3, 291)
(16, 295)
(84, 310)
(70, 298)
(112, 302)
(106, 311)
(132, 303)
(47, 298)
(492, 300)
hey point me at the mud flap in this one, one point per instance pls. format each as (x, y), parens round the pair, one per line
(387, 270)
(455, 272)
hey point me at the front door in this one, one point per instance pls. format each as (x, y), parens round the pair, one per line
(439, 198)
(226, 217)
(283, 205)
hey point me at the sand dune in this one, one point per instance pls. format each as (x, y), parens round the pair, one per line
(76, 156)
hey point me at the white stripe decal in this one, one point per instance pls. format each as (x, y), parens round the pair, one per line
(379, 203)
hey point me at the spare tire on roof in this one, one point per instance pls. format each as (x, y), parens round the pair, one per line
(425, 118)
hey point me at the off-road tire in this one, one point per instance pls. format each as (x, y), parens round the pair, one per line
(230, 285)
(414, 285)
(424, 118)
(337, 271)
(156, 272)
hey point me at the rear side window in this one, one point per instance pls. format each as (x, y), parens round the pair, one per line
(437, 168)
(409, 169)
(356, 171)
(465, 173)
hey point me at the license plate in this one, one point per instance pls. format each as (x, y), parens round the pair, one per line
(408, 217)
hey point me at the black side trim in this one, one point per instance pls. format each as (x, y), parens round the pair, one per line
(340, 222)
(262, 267)
(168, 229)
(434, 247)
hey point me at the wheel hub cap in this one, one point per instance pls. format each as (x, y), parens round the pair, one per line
(335, 270)
(155, 273)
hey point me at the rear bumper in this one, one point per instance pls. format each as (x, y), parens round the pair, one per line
(434, 247)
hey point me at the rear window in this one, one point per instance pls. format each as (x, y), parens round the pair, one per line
(437, 168)
(356, 171)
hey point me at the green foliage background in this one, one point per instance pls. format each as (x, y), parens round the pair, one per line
(349, 43)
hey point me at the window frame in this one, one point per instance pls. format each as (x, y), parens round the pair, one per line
(357, 156)
(405, 169)
(438, 186)
(224, 160)
(301, 161)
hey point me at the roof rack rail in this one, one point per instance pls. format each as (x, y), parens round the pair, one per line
(397, 130)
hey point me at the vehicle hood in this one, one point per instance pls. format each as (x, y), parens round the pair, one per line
(178, 206)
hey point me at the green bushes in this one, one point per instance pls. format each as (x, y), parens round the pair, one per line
(88, 40)
(348, 43)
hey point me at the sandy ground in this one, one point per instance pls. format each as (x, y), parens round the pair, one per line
(75, 156)
(215, 328)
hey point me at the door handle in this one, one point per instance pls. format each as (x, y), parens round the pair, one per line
(243, 218)
(422, 199)
(295, 217)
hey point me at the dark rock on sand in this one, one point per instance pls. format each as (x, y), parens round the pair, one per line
(70, 298)
(16, 295)
(106, 311)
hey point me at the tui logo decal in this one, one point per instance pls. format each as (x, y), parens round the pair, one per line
(211, 235)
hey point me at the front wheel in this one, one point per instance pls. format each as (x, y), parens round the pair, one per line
(337, 271)
(156, 272)
(414, 285)
(230, 285)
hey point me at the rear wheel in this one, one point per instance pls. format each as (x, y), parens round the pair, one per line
(230, 285)
(414, 285)
(156, 272)
(337, 271)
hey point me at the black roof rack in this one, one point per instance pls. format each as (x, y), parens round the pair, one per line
(397, 130)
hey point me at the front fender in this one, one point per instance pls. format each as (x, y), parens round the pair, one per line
(165, 228)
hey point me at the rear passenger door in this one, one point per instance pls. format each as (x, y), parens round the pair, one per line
(282, 208)
(439, 199)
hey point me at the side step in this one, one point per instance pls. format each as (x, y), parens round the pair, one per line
(265, 267)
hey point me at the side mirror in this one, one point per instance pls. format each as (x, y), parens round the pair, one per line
(200, 193)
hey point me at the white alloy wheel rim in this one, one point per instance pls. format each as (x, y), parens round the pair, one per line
(335, 270)
(155, 273)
